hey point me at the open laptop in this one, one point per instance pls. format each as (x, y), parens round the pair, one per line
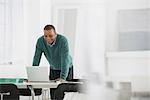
(38, 74)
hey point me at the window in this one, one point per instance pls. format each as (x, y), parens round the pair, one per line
(5, 32)
(9, 20)
(133, 30)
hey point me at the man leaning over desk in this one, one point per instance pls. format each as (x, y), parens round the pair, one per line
(56, 50)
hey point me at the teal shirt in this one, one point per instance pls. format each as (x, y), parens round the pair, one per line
(57, 54)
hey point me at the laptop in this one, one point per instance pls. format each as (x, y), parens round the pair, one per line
(38, 74)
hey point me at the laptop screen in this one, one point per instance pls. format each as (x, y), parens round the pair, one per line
(38, 73)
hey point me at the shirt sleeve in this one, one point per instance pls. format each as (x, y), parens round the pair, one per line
(37, 55)
(64, 59)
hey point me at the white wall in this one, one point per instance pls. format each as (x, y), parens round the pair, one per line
(112, 19)
(37, 14)
(45, 13)
(118, 65)
(31, 26)
(128, 64)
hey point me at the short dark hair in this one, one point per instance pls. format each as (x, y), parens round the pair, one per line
(49, 27)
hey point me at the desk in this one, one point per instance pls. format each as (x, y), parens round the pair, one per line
(32, 85)
(42, 84)
(38, 85)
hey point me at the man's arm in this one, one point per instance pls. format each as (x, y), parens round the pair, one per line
(37, 55)
(64, 59)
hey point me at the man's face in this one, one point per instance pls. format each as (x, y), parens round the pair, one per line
(49, 36)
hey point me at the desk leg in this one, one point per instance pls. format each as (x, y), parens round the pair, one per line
(1, 96)
(43, 94)
(32, 91)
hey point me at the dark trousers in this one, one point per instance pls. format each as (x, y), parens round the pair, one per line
(54, 74)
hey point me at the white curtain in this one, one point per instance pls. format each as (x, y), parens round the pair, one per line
(11, 14)
(84, 27)
(90, 41)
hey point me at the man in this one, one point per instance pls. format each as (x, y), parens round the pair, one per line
(56, 50)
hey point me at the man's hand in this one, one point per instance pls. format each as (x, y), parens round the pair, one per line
(59, 79)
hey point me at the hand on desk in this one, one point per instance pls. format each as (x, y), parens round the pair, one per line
(59, 80)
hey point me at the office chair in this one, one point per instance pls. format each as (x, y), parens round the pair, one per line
(9, 92)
